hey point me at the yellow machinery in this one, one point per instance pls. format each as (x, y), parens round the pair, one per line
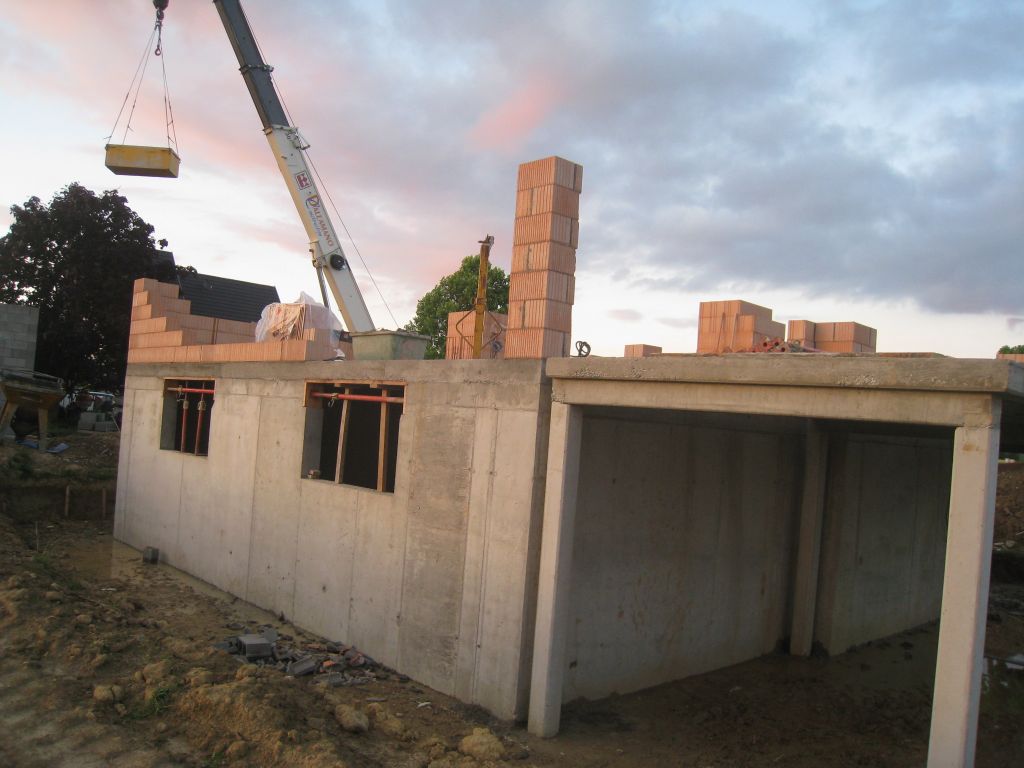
(134, 160)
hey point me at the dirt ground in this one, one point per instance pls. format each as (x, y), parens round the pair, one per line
(106, 661)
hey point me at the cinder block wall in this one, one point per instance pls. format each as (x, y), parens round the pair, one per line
(19, 327)
(436, 580)
(683, 549)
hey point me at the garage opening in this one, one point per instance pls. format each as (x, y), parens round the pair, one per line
(687, 531)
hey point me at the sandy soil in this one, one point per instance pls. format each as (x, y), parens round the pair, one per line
(105, 661)
(84, 613)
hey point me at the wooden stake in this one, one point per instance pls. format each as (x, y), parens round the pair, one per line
(382, 444)
(67, 502)
(339, 465)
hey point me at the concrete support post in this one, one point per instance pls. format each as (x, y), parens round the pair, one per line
(555, 568)
(965, 595)
(812, 509)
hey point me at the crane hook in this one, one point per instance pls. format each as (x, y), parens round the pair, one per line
(161, 6)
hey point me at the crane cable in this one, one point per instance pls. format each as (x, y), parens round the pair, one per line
(139, 76)
(327, 193)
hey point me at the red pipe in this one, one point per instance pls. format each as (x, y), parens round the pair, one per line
(191, 390)
(367, 398)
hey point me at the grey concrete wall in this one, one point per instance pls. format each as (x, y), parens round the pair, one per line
(436, 580)
(884, 537)
(19, 327)
(683, 549)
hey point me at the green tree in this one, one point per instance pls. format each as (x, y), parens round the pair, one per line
(456, 293)
(76, 260)
(1006, 349)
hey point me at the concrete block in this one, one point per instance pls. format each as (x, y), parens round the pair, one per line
(550, 170)
(550, 256)
(546, 227)
(301, 667)
(557, 286)
(255, 647)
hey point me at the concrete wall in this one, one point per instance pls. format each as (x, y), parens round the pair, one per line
(884, 538)
(683, 548)
(436, 580)
(19, 326)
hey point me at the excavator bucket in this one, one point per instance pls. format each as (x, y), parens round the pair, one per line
(128, 160)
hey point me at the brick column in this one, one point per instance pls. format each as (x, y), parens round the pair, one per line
(542, 283)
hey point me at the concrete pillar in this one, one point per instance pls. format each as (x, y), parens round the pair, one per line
(812, 510)
(555, 568)
(965, 595)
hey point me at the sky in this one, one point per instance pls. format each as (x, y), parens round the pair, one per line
(831, 160)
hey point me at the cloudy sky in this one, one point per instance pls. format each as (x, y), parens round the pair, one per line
(834, 161)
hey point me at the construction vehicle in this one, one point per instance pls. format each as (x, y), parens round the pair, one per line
(332, 267)
(288, 147)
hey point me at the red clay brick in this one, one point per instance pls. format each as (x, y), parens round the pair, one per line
(540, 313)
(546, 227)
(641, 350)
(535, 343)
(558, 286)
(544, 256)
(550, 170)
(550, 198)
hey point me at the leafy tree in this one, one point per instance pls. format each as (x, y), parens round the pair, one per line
(1006, 349)
(456, 293)
(76, 260)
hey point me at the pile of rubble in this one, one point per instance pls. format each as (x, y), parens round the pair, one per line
(332, 664)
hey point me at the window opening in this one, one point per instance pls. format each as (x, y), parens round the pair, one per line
(188, 414)
(352, 433)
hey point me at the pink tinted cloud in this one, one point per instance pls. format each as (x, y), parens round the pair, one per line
(507, 125)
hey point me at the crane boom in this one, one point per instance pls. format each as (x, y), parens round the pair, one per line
(287, 146)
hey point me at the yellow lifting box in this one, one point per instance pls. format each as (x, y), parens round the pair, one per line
(128, 160)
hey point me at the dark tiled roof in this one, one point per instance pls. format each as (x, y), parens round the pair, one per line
(226, 298)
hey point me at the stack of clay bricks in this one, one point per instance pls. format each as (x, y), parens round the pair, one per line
(735, 326)
(833, 337)
(163, 330)
(542, 282)
(641, 350)
(461, 326)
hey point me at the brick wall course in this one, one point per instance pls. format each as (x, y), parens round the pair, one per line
(547, 256)
(550, 170)
(540, 313)
(535, 343)
(550, 198)
(524, 286)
